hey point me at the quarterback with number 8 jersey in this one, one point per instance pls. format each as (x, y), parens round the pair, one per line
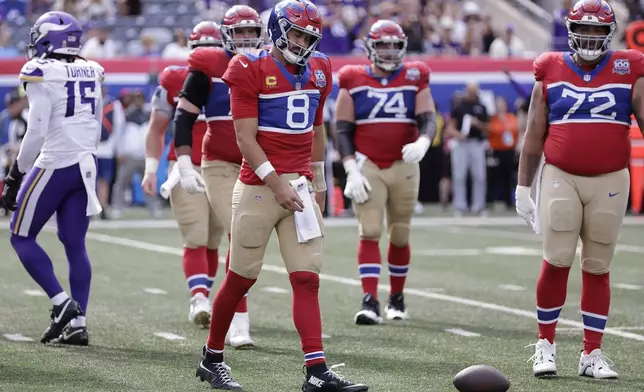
(579, 118)
(385, 113)
(57, 162)
(277, 102)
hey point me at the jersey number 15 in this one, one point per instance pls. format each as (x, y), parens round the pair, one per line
(77, 95)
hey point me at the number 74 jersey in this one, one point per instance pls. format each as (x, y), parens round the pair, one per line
(384, 108)
(589, 110)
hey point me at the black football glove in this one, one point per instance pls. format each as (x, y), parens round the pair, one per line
(11, 187)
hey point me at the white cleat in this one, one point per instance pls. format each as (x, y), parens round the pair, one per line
(239, 332)
(596, 365)
(544, 359)
(395, 314)
(200, 309)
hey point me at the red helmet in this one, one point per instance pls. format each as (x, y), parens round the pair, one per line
(238, 18)
(591, 25)
(386, 45)
(206, 33)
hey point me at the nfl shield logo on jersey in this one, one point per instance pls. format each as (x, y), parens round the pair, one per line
(621, 67)
(320, 79)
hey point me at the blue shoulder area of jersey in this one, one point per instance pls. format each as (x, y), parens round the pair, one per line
(291, 112)
(569, 103)
(257, 56)
(218, 106)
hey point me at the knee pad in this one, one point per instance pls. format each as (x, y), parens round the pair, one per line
(399, 234)
(249, 238)
(602, 227)
(596, 266)
(561, 218)
(370, 222)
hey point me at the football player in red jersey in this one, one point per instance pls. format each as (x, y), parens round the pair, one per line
(241, 31)
(201, 231)
(386, 120)
(579, 118)
(277, 102)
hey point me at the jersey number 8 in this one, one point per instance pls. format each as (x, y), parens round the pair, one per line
(301, 109)
(79, 89)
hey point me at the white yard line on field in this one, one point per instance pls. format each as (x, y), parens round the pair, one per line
(356, 283)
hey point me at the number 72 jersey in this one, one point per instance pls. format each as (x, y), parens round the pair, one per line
(384, 108)
(589, 110)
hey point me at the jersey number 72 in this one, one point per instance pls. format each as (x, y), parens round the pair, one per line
(79, 89)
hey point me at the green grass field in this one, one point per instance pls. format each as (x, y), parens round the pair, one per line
(470, 297)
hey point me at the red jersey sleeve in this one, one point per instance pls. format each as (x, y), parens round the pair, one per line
(206, 60)
(344, 77)
(241, 78)
(423, 81)
(171, 80)
(540, 65)
(319, 114)
(636, 59)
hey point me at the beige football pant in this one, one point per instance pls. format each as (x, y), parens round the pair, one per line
(198, 224)
(588, 208)
(255, 215)
(394, 192)
(220, 178)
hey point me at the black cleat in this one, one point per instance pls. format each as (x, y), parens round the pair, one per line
(73, 336)
(330, 382)
(61, 315)
(370, 313)
(216, 373)
(396, 307)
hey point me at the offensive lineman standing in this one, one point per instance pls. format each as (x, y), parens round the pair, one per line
(241, 31)
(57, 156)
(277, 100)
(386, 112)
(579, 117)
(201, 231)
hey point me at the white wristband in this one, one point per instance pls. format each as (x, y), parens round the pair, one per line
(319, 180)
(350, 165)
(151, 165)
(264, 170)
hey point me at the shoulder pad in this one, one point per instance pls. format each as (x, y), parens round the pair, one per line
(209, 60)
(541, 63)
(34, 71)
(99, 69)
(347, 74)
(172, 76)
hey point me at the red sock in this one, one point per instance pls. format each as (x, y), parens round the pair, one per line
(195, 268)
(213, 263)
(231, 291)
(398, 258)
(306, 315)
(242, 307)
(369, 266)
(551, 296)
(595, 303)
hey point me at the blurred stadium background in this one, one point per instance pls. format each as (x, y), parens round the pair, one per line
(491, 42)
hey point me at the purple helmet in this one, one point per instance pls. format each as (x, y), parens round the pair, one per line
(55, 32)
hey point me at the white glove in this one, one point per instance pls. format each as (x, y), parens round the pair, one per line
(357, 187)
(414, 152)
(191, 180)
(524, 205)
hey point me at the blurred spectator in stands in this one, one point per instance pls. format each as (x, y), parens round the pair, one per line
(130, 152)
(488, 34)
(177, 49)
(411, 23)
(441, 42)
(70, 6)
(503, 135)
(507, 45)
(39, 7)
(11, 9)
(559, 29)
(214, 10)
(149, 46)
(97, 9)
(125, 97)
(470, 32)
(6, 49)
(13, 125)
(129, 7)
(99, 45)
(339, 21)
(469, 126)
(113, 128)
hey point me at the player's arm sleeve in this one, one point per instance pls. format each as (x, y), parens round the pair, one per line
(426, 110)
(40, 107)
(244, 93)
(539, 66)
(319, 114)
(345, 131)
(98, 114)
(196, 90)
(423, 81)
(160, 102)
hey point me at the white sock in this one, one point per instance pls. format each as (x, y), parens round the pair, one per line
(59, 299)
(79, 322)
